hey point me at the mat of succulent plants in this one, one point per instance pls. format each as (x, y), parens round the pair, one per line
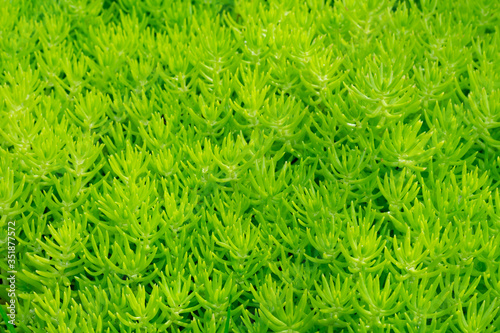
(249, 166)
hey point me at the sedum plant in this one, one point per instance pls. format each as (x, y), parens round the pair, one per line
(250, 166)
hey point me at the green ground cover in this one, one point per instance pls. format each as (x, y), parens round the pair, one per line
(250, 166)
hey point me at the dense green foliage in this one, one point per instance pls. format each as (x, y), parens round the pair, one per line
(293, 166)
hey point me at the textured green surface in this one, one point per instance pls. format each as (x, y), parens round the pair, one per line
(274, 166)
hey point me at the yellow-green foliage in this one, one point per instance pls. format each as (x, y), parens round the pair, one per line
(251, 166)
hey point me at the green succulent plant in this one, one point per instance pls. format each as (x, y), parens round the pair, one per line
(250, 166)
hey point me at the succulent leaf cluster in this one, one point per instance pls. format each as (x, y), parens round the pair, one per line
(251, 166)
